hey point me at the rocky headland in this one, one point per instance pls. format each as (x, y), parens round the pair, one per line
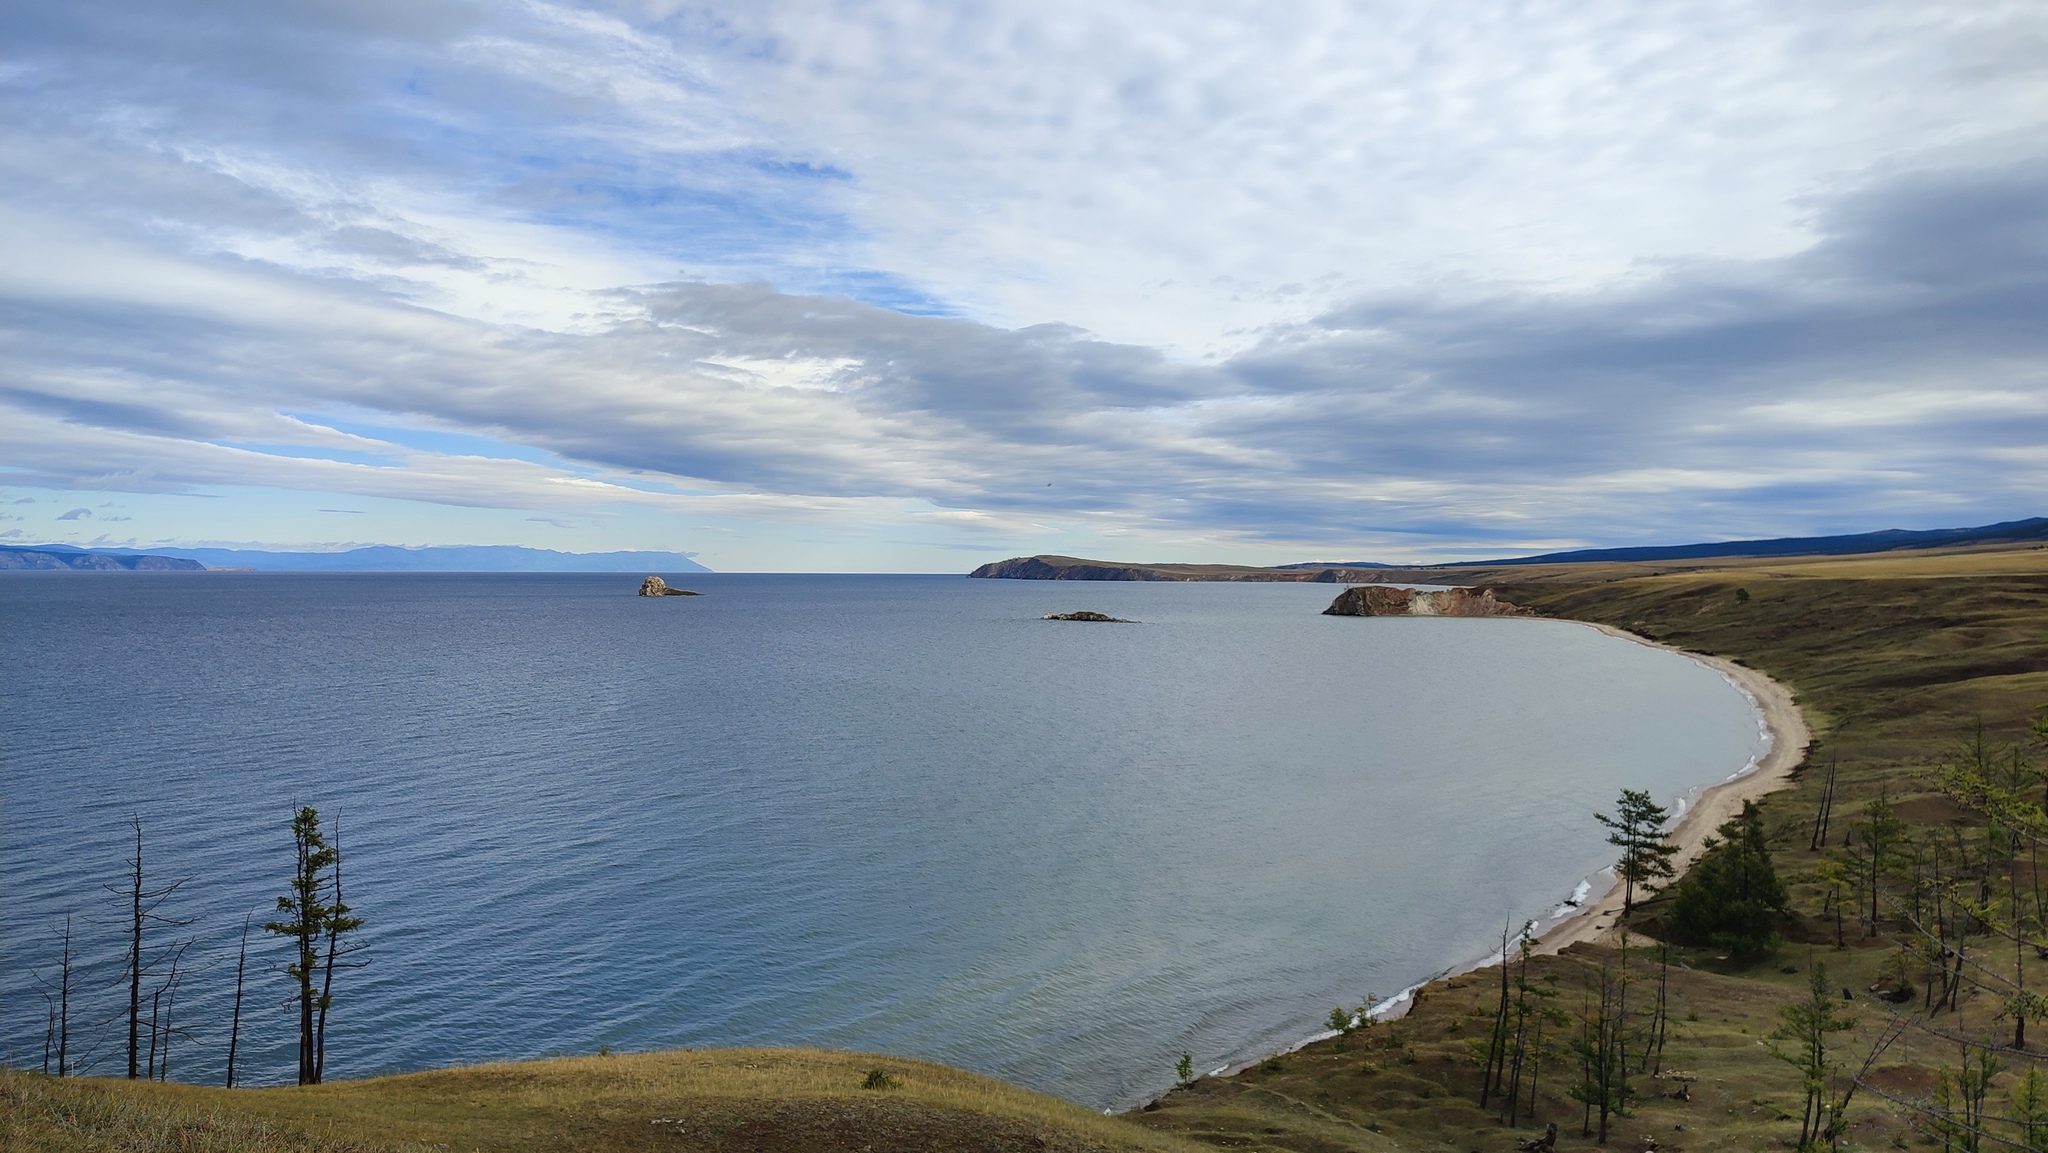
(1047, 567)
(60, 557)
(1388, 601)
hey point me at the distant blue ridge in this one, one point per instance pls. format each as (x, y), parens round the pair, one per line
(2011, 531)
(372, 558)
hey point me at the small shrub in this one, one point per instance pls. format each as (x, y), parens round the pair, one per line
(878, 1079)
(1184, 1070)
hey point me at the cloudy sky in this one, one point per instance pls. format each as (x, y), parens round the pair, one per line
(910, 286)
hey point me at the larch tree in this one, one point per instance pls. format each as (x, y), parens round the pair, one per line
(1637, 829)
(1733, 898)
(310, 921)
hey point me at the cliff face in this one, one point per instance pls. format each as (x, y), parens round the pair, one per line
(1382, 601)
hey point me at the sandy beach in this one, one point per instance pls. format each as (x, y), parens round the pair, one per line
(1717, 804)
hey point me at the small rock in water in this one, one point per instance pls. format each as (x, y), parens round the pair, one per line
(1085, 615)
(654, 586)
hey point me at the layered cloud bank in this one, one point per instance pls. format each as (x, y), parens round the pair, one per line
(870, 288)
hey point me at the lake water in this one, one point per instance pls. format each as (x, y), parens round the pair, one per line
(891, 813)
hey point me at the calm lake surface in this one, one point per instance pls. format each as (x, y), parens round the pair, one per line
(893, 813)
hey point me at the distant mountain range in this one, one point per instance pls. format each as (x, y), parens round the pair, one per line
(1048, 567)
(2004, 532)
(372, 558)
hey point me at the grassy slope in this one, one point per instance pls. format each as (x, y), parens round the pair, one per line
(1894, 659)
(713, 1100)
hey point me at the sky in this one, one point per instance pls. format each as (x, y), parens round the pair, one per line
(902, 286)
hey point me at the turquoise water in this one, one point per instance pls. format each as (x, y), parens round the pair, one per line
(886, 813)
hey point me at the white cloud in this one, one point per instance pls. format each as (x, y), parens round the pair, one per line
(1392, 277)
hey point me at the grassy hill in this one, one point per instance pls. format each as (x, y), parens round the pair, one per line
(720, 1100)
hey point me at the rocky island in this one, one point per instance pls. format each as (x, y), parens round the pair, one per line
(1085, 615)
(654, 586)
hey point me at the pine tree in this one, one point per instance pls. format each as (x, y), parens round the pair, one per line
(310, 920)
(1733, 897)
(1637, 829)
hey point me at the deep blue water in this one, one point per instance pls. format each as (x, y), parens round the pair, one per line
(885, 813)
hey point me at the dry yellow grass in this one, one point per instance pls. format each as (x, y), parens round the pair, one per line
(714, 1100)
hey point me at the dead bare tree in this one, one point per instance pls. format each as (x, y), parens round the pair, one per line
(1825, 814)
(235, 1026)
(140, 903)
(57, 1042)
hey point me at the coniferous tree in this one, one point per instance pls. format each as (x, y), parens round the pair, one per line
(1884, 838)
(1637, 829)
(1806, 1024)
(310, 920)
(1732, 898)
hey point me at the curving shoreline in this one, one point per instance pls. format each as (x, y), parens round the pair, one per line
(1785, 727)
(1706, 809)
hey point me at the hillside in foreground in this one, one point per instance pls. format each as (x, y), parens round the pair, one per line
(715, 1101)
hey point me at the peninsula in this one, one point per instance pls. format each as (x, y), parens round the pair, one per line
(1558, 565)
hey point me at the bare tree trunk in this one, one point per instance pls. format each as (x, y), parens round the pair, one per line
(327, 979)
(1621, 1027)
(64, 1005)
(1496, 1052)
(163, 1069)
(135, 960)
(1822, 818)
(235, 1028)
(156, 1004)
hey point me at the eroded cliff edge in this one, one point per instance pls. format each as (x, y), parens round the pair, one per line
(1388, 601)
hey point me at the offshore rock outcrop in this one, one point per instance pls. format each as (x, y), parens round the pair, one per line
(1085, 615)
(1387, 601)
(654, 586)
